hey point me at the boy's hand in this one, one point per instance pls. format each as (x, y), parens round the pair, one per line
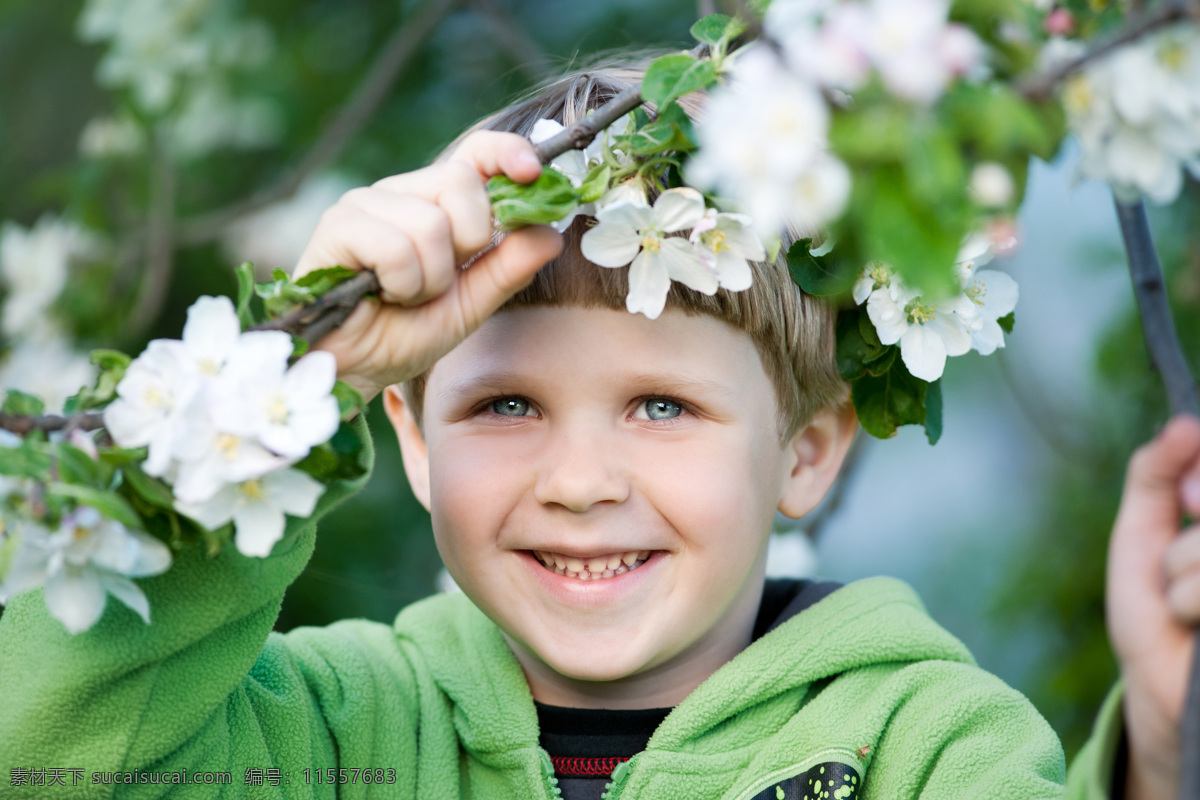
(1153, 600)
(415, 230)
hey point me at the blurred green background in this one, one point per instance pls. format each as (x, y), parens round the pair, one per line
(163, 127)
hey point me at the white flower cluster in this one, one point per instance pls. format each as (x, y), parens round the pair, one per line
(929, 330)
(909, 43)
(764, 144)
(224, 417)
(1136, 112)
(171, 55)
(34, 265)
(715, 254)
(575, 164)
(79, 564)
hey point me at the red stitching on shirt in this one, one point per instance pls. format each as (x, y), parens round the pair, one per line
(585, 767)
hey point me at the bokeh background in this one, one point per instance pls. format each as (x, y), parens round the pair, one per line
(149, 146)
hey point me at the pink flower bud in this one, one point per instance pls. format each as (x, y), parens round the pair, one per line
(1059, 22)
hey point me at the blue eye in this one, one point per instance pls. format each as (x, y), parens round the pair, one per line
(661, 408)
(511, 407)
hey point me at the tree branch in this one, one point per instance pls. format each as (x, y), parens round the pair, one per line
(1159, 16)
(354, 113)
(22, 425)
(1149, 287)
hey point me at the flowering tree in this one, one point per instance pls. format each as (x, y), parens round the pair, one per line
(897, 132)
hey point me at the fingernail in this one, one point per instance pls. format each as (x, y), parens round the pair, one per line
(1191, 493)
(528, 160)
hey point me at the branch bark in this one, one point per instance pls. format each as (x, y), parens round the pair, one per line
(354, 113)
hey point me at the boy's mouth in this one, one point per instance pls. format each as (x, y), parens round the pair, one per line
(594, 568)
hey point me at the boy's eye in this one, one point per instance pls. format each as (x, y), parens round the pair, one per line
(511, 407)
(662, 408)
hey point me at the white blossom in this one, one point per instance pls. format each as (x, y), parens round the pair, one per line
(911, 44)
(257, 508)
(34, 265)
(1136, 113)
(928, 330)
(726, 244)
(111, 136)
(991, 185)
(151, 397)
(763, 144)
(44, 364)
(576, 164)
(78, 565)
(629, 232)
(994, 294)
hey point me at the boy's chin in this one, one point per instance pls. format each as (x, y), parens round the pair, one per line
(591, 660)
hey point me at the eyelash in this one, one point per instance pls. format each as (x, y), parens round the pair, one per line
(485, 407)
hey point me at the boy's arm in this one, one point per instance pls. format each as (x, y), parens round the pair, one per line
(125, 696)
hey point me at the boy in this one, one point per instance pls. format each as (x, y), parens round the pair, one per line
(601, 486)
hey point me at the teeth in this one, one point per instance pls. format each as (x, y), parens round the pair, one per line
(594, 568)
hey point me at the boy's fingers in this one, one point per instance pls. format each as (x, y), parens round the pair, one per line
(494, 153)
(458, 189)
(428, 228)
(503, 271)
(1153, 482)
(1183, 555)
(367, 242)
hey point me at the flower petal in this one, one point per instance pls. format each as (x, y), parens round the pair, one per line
(999, 295)
(733, 271)
(955, 336)
(75, 598)
(610, 244)
(887, 316)
(293, 491)
(648, 287)
(988, 337)
(259, 527)
(682, 264)
(128, 593)
(923, 353)
(677, 209)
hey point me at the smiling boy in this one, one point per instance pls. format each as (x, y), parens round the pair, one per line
(602, 487)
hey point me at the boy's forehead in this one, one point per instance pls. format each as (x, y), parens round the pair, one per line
(545, 340)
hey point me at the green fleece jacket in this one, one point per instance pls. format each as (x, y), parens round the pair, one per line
(861, 695)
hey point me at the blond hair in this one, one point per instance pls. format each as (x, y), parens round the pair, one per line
(794, 333)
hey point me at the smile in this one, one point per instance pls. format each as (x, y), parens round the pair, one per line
(594, 568)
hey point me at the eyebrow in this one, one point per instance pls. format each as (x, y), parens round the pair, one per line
(501, 381)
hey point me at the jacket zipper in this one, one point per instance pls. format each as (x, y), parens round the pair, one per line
(553, 790)
(612, 790)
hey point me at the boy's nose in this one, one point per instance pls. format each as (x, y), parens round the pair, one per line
(579, 469)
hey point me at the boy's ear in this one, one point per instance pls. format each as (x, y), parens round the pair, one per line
(816, 454)
(413, 451)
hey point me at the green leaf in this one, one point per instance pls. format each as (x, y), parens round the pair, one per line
(1007, 321)
(320, 281)
(337, 459)
(350, 400)
(669, 77)
(107, 503)
(26, 461)
(879, 133)
(816, 276)
(885, 402)
(548, 199)
(245, 293)
(152, 490)
(934, 168)
(595, 184)
(76, 466)
(920, 242)
(717, 30)
(671, 130)
(18, 402)
(111, 365)
(933, 412)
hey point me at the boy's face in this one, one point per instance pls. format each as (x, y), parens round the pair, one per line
(602, 486)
